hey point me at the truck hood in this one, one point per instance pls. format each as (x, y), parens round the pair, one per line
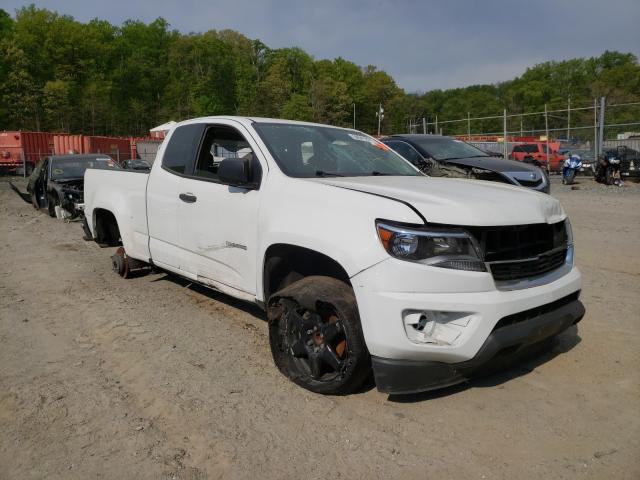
(459, 201)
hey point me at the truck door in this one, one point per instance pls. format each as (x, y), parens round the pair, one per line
(163, 195)
(218, 222)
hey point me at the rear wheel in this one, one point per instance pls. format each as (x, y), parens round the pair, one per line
(316, 337)
(120, 263)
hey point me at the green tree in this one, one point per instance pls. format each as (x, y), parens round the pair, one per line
(19, 92)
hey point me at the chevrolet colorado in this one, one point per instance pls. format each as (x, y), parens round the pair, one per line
(360, 261)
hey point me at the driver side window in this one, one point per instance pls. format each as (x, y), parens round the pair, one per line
(220, 142)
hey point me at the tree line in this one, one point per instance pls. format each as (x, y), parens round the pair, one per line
(58, 74)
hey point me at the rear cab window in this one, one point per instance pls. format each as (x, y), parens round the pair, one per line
(182, 148)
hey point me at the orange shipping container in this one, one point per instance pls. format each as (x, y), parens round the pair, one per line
(118, 148)
(64, 144)
(28, 147)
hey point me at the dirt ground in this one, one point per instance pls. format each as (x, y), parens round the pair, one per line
(152, 377)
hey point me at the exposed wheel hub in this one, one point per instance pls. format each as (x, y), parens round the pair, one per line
(318, 343)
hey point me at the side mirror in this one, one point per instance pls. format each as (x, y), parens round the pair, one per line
(236, 172)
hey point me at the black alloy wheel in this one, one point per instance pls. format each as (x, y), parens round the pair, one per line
(315, 336)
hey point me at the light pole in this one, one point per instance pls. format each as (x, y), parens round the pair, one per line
(354, 116)
(380, 116)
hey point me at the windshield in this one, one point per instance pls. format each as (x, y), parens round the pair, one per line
(443, 148)
(71, 168)
(315, 151)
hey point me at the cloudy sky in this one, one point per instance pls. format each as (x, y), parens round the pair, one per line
(423, 44)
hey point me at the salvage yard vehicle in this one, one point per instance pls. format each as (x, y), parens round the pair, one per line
(437, 155)
(572, 165)
(136, 164)
(56, 184)
(536, 153)
(588, 160)
(360, 261)
(629, 160)
(608, 168)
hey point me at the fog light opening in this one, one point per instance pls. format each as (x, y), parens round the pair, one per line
(435, 327)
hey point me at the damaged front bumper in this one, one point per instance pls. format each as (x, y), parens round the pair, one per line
(428, 327)
(512, 338)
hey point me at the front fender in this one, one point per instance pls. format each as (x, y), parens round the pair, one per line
(336, 222)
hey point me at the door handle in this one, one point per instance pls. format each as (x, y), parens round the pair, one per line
(188, 197)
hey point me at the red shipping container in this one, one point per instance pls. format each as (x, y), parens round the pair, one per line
(28, 147)
(119, 148)
(64, 144)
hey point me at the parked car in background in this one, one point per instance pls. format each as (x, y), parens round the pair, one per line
(136, 164)
(536, 153)
(629, 160)
(57, 182)
(443, 156)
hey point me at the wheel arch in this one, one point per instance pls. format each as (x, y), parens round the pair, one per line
(284, 263)
(106, 230)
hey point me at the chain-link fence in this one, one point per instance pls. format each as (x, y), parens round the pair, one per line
(20, 161)
(593, 127)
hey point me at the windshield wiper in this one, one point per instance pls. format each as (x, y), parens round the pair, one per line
(375, 173)
(320, 173)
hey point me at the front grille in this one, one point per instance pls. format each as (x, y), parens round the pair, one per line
(518, 242)
(524, 251)
(489, 176)
(529, 183)
(514, 270)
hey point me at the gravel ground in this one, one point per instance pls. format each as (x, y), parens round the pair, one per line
(156, 378)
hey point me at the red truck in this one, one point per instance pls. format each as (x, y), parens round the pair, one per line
(536, 152)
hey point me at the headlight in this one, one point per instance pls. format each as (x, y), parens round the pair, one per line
(438, 247)
(569, 231)
(570, 252)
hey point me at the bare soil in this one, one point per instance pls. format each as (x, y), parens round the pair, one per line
(152, 377)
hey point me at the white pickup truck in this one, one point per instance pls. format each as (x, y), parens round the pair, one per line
(360, 261)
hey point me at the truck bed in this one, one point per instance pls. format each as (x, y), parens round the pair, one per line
(122, 192)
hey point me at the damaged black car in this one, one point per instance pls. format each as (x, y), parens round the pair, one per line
(440, 156)
(56, 185)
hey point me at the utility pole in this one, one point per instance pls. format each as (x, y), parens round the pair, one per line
(436, 124)
(505, 147)
(380, 116)
(569, 117)
(521, 132)
(468, 126)
(354, 116)
(595, 128)
(424, 125)
(546, 129)
(601, 139)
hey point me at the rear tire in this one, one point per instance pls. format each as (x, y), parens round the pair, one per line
(316, 336)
